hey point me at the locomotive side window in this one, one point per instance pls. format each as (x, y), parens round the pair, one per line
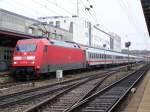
(26, 47)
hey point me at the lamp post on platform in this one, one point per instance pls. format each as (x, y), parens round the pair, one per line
(128, 44)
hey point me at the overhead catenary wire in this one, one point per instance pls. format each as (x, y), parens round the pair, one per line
(93, 15)
(92, 10)
(133, 18)
(94, 19)
(55, 4)
(18, 7)
(125, 7)
(98, 19)
(45, 6)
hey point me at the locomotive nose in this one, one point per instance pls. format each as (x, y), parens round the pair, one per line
(24, 54)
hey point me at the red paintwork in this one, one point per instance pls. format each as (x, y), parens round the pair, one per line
(54, 55)
(63, 55)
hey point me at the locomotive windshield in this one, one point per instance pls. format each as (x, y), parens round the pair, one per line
(26, 47)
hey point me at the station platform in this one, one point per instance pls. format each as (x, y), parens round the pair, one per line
(140, 100)
(144, 105)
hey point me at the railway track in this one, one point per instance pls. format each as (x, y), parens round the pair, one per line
(66, 99)
(34, 93)
(107, 99)
(16, 83)
(27, 95)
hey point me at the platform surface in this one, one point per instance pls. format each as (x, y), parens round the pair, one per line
(145, 101)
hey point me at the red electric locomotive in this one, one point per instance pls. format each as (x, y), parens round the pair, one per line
(33, 57)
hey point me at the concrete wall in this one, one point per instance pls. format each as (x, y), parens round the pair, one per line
(99, 39)
(20, 24)
(116, 42)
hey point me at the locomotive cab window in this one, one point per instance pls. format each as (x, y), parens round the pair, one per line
(26, 47)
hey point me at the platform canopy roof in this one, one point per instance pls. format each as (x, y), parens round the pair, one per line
(146, 10)
(9, 39)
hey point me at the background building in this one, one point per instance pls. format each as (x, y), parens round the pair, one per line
(84, 32)
(115, 42)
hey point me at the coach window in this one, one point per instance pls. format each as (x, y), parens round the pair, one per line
(110, 56)
(93, 55)
(90, 55)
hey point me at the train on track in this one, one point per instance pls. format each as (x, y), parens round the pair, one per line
(37, 57)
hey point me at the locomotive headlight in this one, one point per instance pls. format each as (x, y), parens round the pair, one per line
(30, 57)
(15, 62)
(17, 57)
(32, 62)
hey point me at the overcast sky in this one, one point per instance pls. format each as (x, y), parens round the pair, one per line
(124, 17)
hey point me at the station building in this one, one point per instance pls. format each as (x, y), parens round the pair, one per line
(84, 32)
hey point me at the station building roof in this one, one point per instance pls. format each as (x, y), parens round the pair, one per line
(146, 10)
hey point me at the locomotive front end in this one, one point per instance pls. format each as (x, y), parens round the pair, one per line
(24, 59)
